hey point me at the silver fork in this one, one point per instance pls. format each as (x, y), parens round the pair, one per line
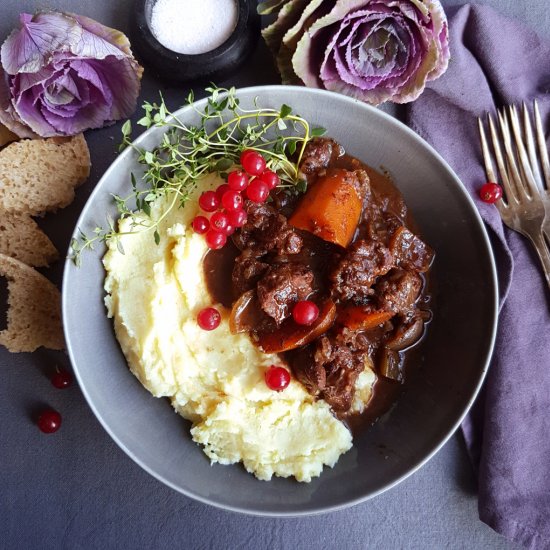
(527, 201)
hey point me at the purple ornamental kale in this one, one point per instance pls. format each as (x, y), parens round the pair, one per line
(62, 74)
(372, 50)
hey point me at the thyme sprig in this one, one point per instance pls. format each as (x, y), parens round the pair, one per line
(187, 153)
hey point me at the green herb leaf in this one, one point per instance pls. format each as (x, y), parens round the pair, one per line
(223, 164)
(119, 246)
(157, 237)
(127, 128)
(146, 207)
(285, 111)
(291, 147)
(149, 159)
(318, 132)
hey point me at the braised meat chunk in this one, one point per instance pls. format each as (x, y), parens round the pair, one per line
(319, 154)
(266, 230)
(247, 271)
(410, 251)
(359, 268)
(399, 290)
(281, 287)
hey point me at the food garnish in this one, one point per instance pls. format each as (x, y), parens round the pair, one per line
(215, 239)
(209, 318)
(252, 162)
(277, 378)
(305, 312)
(209, 201)
(201, 225)
(188, 153)
(237, 180)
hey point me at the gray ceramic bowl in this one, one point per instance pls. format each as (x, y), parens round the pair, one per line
(441, 388)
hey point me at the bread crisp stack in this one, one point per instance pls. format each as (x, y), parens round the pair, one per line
(36, 176)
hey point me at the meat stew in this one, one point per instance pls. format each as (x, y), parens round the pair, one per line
(348, 244)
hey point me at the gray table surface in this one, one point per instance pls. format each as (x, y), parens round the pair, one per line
(77, 489)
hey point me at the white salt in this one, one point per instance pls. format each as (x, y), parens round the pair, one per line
(193, 26)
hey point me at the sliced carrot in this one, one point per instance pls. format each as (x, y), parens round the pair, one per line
(330, 209)
(362, 317)
(291, 335)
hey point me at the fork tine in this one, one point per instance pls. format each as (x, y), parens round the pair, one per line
(511, 161)
(511, 194)
(542, 145)
(531, 150)
(489, 170)
(524, 165)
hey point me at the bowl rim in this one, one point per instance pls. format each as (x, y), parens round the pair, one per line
(416, 466)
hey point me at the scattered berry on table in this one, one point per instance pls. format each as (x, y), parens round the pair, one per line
(49, 421)
(490, 192)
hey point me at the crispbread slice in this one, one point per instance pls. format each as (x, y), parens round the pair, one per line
(34, 309)
(22, 239)
(40, 175)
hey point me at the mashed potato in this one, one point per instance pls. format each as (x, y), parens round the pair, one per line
(215, 379)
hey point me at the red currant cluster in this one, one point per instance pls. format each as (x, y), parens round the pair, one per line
(226, 202)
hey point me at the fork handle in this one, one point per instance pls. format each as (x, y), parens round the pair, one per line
(544, 255)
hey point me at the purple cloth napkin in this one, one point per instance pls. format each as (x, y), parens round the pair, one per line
(496, 61)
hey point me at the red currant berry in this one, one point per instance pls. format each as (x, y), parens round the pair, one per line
(252, 162)
(257, 191)
(219, 221)
(305, 312)
(490, 192)
(229, 229)
(277, 378)
(215, 240)
(209, 201)
(237, 218)
(237, 180)
(49, 421)
(270, 178)
(246, 153)
(200, 225)
(220, 191)
(61, 379)
(209, 318)
(232, 200)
